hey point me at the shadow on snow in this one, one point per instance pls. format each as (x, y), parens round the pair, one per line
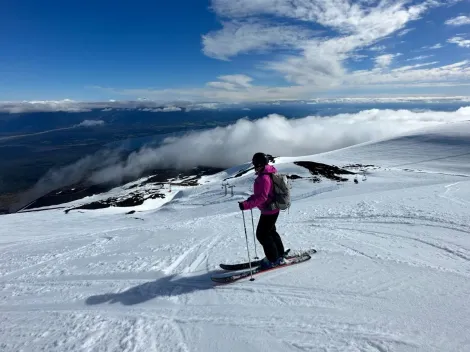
(166, 286)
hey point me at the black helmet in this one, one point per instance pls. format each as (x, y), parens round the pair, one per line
(259, 159)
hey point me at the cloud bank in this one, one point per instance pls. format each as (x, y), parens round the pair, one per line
(18, 107)
(72, 106)
(227, 146)
(57, 178)
(90, 123)
(165, 109)
(231, 82)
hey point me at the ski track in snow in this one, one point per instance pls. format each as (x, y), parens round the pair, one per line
(391, 273)
(451, 194)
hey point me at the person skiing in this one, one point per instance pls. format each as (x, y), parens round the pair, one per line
(262, 198)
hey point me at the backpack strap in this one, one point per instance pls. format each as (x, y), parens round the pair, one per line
(272, 200)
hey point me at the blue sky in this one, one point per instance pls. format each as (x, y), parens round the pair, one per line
(232, 50)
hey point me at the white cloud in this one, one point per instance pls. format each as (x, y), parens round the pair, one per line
(222, 85)
(378, 48)
(393, 99)
(405, 32)
(231, 82)
(90, 123)
(310, 44)
(65, 105)
(411, 67)
(165, 109)
(241, 80)
(383, 61)
(72, 106)
(170, 109)
(358, 57)
(418, 76)
(234, 144)
(244, 37)
(443, 74)
(315, 61)
(463, 43)
(437, 46)
(204, 106)
(458, 21)
(421, 57)
(345, 16)
(433, 47)
(57, 178)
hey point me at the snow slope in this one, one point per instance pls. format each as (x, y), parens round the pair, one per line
(392, 272)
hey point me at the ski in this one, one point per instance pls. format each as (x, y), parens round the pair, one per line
(225, 279)
(246, 265)
(241, 266)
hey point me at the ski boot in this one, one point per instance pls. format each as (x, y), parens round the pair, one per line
(266, 264)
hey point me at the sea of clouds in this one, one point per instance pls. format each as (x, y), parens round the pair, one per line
(234, 144)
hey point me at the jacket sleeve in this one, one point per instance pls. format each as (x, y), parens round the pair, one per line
(261, 192)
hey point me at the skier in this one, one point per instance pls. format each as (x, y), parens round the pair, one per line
(262, 198)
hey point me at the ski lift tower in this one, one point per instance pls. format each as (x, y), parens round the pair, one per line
(231, 189)
(224, 186)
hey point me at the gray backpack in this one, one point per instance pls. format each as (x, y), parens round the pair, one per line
(281, 185)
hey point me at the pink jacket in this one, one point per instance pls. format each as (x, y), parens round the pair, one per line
(263, 192)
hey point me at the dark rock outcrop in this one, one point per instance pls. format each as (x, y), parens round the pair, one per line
(131, 200)
(330, 172)
(160, 177)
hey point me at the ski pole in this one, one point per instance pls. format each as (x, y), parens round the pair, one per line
(254, 238)
(247, 249)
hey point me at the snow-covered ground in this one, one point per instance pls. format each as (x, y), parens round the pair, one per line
(392, 272)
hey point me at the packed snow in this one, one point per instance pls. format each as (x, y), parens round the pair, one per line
(391, 272)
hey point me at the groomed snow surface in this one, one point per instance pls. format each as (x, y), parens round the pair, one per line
(392, 272)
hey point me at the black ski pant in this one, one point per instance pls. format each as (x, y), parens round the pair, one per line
(268, 237)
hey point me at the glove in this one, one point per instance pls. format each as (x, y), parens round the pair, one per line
(240, 205)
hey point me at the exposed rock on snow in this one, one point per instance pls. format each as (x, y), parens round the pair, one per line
(327, 171)
(159, 178)
(131, 200)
